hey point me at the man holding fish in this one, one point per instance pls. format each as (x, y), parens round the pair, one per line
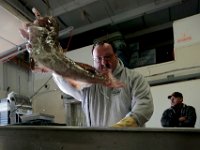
(127, 106)
(116, 97)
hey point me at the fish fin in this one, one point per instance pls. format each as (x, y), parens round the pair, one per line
(24, 30)
(24, 34)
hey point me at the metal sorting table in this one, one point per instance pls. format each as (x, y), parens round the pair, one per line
(76, 138)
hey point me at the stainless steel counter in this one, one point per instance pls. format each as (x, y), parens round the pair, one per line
(72, 138)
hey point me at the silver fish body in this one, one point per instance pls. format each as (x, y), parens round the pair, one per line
(46, 50)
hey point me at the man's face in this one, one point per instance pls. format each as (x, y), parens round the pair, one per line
(104, 57)
(175, 100)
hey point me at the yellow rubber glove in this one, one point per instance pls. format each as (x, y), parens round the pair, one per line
(126, 122)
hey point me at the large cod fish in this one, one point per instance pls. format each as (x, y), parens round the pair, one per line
(44, 48)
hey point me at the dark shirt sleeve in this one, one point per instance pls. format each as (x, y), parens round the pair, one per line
(169, 119)
(191, 117)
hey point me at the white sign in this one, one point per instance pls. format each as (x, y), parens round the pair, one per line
(187, 31)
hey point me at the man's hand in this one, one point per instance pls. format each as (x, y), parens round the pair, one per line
(126, 122)
(181, 119)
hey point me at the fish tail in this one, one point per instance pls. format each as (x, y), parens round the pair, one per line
(113, 82)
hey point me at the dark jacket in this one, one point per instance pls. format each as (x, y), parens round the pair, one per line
(170, 116)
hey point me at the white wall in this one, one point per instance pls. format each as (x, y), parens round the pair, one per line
(50, 103)
(2, 91)
(81, 55)
(15, 78)
(47, 100)
(1, 76)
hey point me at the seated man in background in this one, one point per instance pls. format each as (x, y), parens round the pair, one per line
(179, 114)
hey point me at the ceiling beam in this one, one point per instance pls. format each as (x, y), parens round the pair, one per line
(17, 7)
(131, 14)
(71, 6)
(13, 11)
